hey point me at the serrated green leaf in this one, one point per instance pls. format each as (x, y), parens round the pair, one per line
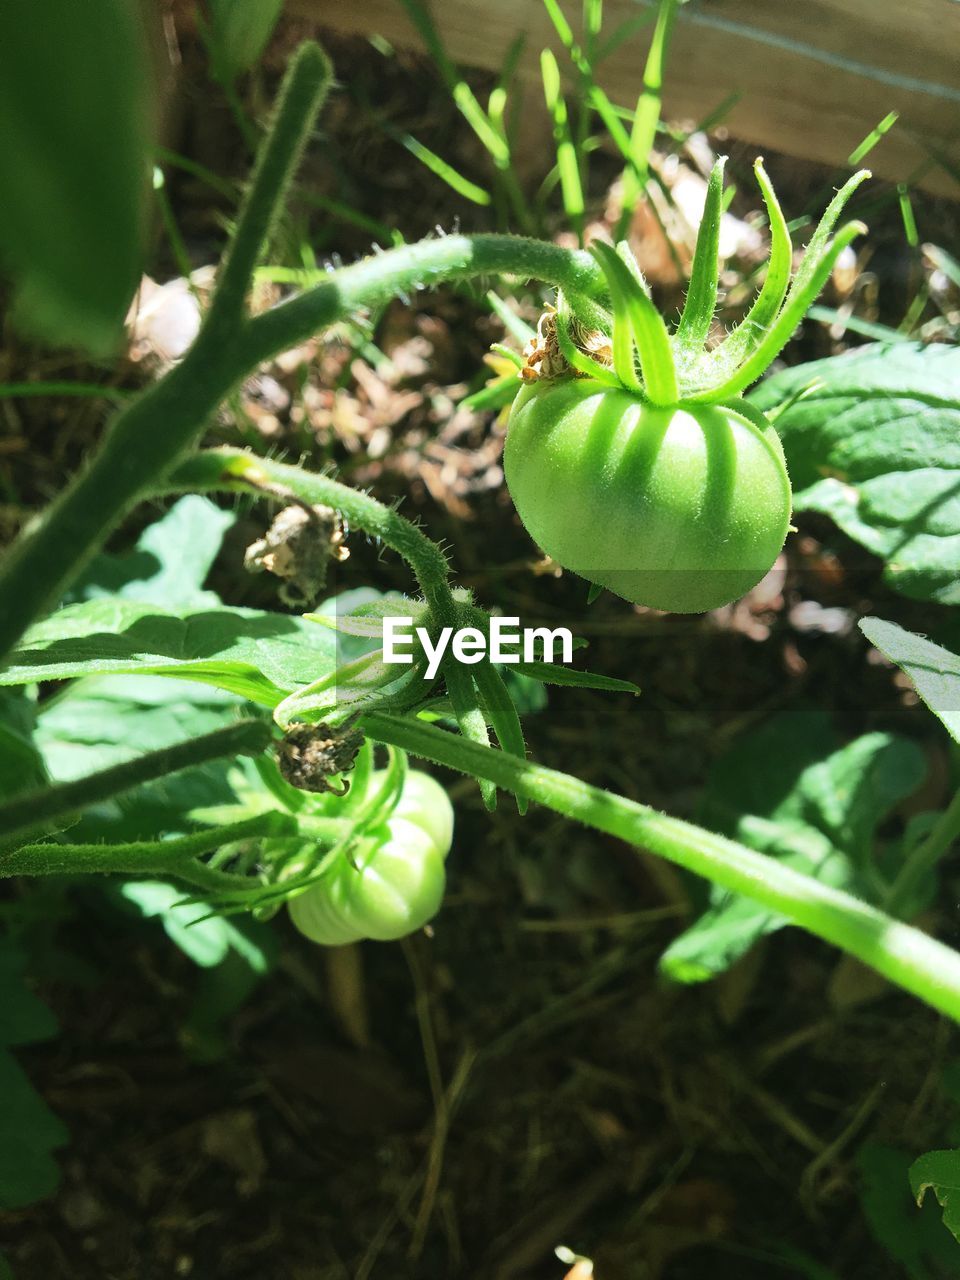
(939, 1172)
(357, 618)
(23, 1018)
(29, 1131)
(819, 816)
(169, 563)
(258, 655)
(76, 105)
(104, 720)
(732, 925)
(876, 446)
(935, 672)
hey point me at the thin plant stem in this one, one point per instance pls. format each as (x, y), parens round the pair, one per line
(924, 859)
(304, 88)
(176, 857)
(41, 809)
(907, 957)
(226, 469)
(232, 470)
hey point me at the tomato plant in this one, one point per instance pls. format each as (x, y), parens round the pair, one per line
(640, 440)
(632, 459)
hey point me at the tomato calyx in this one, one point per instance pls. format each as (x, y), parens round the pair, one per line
(628, 343)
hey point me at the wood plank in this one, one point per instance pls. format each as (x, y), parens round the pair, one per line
(814, 76)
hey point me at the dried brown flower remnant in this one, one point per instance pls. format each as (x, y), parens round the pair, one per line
(311, 754)
(298, 547)
(543, 357)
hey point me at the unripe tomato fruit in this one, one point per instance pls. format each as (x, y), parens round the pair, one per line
(681, 508)
(395, 882)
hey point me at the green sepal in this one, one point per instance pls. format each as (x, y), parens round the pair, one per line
(701, 300)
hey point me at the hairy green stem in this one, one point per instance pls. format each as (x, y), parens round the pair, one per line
(370, 283)
(904, 955)
(176, 857)
(304, 89)
(41, 809)
(232, 470)
(146, 438)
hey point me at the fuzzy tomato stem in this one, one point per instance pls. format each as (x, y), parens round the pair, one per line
(146, 438)
(40, 809)
(907, 957)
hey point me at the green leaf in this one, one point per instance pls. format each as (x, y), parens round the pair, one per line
(169, 563)
(357, 618)
(207, 939)
(105, 720)
(876, 446)
(76, 104)
(29, 1131)
(551, 673)
(776, 793)
(939, 1171)
(241, 29)
(917, 1240)
(258, 655)
(935, 672)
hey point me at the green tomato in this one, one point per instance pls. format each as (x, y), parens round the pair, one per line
(681, 508)
(394, 882)
(424, 802)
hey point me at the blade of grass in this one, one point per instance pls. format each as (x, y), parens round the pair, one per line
(864, 148)
(446, 172)
(20, 390)
(906, 213)
(647, 114)
(514, 325)
(567, 161)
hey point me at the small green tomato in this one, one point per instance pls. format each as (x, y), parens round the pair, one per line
(681, 508)
(395, 881)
